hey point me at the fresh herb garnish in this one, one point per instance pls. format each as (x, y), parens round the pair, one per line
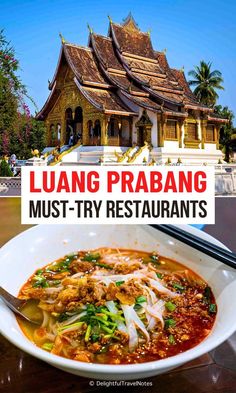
(159, 275)
(178, 286)
(154, 258)
(91, 257)
(95, 337)
(170, 306)
(104, 265)
(47, 346)
(63, 265)
(40, 282)
(137, 307)
(212, 308)
(169, 323)
(171, 339)
(119, 283)
(141, 299)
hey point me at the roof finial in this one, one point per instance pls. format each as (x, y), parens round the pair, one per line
(130, 23)
(164, 51)
(182, 69)
(63, 41)
(149, 32)
(90, 29)
(110, 20)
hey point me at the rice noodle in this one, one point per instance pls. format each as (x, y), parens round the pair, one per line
(73, 319)
(132, 332)
(46, 317)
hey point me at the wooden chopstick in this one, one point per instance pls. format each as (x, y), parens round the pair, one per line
(216, 252)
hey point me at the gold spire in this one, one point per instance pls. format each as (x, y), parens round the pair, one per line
(164, 51)
(63, 41)
(149, 32)
(90, 29)
(110, 20)
(182, 69)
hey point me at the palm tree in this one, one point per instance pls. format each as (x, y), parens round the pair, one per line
(227, 132)
(206, 82)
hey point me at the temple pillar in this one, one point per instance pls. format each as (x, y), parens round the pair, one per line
(148, 134)
(217, 135)
(184, 132)
(48, 136)
(204, 126)
(63, 131)
(104, 131)
(161, 129)
(179, 132)
(85, 133)
(199, 130)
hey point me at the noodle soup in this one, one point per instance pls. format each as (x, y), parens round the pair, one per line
(117, 306)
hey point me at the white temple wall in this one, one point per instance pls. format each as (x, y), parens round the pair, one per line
(210, 146)
(171, 145)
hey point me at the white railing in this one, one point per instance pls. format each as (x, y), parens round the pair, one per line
(10, 186)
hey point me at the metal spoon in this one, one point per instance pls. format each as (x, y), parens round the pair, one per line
(16, 305)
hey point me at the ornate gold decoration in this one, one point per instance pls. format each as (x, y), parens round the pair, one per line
(63, 41)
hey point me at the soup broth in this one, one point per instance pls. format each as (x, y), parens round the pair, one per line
(117, 306)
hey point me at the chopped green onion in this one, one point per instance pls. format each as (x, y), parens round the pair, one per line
(87, 334)
(137, 307)
(90, 308)
(76, 324)
(40, 282)
(212, 308)
(112, 315)
(104, 265)
(159, 275)
(171, 339)
(39, 272)
(155, 259)
(100, 319)
(141, 299)
(207, 293)
(170, 306)
(178, 286)
(56, 282)
(47, 346)
(107, 330)
(95, 337)
(152, 259)
(169, 323)
(91, 257)
(63, 317)
(119, 283)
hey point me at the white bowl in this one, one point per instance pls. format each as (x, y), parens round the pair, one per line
(36, 247)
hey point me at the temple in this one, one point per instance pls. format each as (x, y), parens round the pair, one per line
(119, 99)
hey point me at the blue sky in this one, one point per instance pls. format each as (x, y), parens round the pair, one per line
(190, 30)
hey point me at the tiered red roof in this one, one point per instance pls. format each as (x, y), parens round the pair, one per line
(124, 66)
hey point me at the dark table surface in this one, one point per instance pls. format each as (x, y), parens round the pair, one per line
(213, 372)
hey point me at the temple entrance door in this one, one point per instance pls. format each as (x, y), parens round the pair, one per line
(96, 134)
(69, 126)
(141, 136)
(78, 124)
(144, 129)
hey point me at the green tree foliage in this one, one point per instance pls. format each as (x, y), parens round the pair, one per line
(19, 131)
(227, 132)
(206, 82)
(11, 88)
(5, 170)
